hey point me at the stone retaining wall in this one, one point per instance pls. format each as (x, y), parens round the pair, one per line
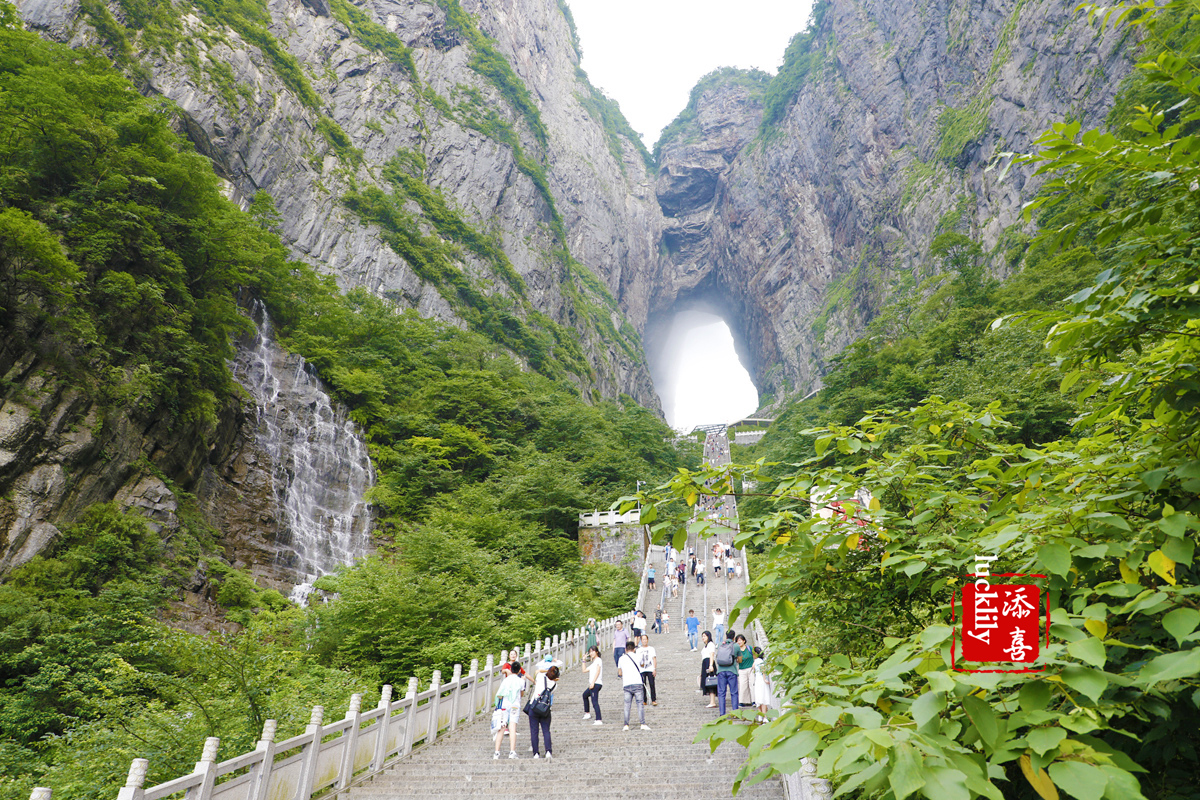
(624, 545)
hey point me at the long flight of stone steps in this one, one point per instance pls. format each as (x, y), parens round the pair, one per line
(595, 761)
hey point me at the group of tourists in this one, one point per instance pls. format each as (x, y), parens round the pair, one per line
(541, 700)
(724, 564)
(732, 674)
(730, 669)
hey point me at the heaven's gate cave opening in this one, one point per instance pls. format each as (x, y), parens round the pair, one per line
(698, 367)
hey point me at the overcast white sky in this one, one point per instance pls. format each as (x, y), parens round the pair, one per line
(647, 55)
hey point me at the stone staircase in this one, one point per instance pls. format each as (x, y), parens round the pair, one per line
(594, 761)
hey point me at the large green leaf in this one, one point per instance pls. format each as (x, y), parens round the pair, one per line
(983, 717)
(1090, 682)
(1090, 650)
(1080, 780)
(1181, 622)
(906, 775)
(1056, 557)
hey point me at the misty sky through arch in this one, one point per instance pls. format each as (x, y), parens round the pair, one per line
(698, 374)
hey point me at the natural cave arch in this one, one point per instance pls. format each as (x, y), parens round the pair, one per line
(689, 353)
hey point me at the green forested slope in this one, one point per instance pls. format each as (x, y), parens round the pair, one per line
(120, 268)
(1063, 440)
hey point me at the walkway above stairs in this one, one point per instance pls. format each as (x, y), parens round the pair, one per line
(593, 761)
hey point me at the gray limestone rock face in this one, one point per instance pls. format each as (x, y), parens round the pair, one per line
(805, 233)
(61, 453)
(264, 136)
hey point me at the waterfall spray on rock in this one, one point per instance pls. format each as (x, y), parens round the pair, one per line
(320, 467)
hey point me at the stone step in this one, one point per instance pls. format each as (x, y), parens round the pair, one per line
(595, 761)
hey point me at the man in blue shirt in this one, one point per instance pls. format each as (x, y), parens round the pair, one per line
(693, 627)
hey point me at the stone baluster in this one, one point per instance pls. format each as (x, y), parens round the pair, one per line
(528, 652)
(488, 692)
(473, 680)
(134, 783)
(431, 729)
(206, 766)
(311, 751)
(261, 784)
(410, 716)
(455, 696)
(383, 736)
(350, 741)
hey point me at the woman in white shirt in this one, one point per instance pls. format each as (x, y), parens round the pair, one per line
(594, 667)
(762, 685)
(708, 665)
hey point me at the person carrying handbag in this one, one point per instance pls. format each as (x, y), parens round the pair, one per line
(708, 668)
(508, 704)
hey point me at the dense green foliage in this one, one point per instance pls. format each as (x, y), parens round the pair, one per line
(120, 265)
(118, 254)
(935, 340)
(1101, 495)
(89, 680)
(804, 54)
(756, 81)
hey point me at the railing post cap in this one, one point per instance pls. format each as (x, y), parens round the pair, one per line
(318, 714)
(137, 773)
(385, 694)
(268, 733)
(209, 755)
(355, 704)
(40, 793)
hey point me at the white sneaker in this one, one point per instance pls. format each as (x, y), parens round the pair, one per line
(587, 716)
(598, 722)
(625, 728)
(645, 727)
(549, 757)
(535, 755)
(496, 755)
(512, 753)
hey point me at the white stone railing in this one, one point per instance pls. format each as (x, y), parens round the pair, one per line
(595, 519)
(344, 753)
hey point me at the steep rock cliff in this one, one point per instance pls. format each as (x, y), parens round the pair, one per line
(803, 232)
(311, 99)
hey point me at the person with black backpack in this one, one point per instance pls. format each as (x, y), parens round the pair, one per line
(727, 672)
(540, 704)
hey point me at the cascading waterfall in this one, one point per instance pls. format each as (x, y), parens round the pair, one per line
(320, 467)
